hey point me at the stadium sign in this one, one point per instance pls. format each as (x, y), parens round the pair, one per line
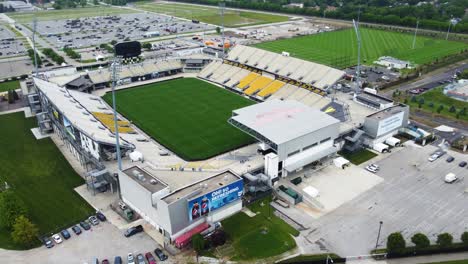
(204, 204)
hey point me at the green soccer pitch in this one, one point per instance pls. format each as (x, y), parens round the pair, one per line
(339, 48)
(188, 116)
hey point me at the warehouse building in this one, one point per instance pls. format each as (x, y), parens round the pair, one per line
(178, 214)
(292, 135)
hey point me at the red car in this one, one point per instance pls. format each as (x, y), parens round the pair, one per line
(150, 258)
(105, 261)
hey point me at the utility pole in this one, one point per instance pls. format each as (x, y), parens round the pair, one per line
(378, 235)
(34, 45)
(415, 33)
(358, 68)
(222, 5)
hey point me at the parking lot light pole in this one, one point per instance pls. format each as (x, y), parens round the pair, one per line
(378, 235)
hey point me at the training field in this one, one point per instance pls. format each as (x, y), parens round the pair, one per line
(339, 48)
(211, 15)
(188, 116)
(42, 178)
(73, 13)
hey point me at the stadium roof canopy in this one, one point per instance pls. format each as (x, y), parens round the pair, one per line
(280, 121)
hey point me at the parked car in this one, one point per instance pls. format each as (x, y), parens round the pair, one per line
(57, 239)
(433, 157)
(133, 230)
(372, 168)
(100, 216)
(130, 258)
(150, 258)
(160, 254)
(85, 225)
(140, 259)
(117, 260)
(105, 261)
(450, 178)
(47, 242)
(450, 159)
(65, 234)
(462, 164)
(93, 220)
(76, 229)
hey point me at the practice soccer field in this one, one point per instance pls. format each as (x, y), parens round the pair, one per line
(188, 116)
(211, 15)
(339, 48)
(40, 175)
(72, 13)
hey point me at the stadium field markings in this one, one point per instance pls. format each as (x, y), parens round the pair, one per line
(188, 116)
(339, 48)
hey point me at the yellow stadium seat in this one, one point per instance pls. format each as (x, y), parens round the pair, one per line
(271, 89)
(259, 83)
(248, 79)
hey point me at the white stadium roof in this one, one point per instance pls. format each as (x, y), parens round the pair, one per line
(77, 107)
(281, 121)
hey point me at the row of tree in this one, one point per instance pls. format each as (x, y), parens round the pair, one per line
(62, 4)
(53, 56)
(396, 244)
(430, 16)
(14, 218)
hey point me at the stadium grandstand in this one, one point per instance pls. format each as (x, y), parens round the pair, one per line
(261, 74)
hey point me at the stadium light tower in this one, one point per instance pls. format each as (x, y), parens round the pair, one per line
(451, 22)
(115, 67)
(34, 44)
(222, 5)
(358, 68)
(415, 33)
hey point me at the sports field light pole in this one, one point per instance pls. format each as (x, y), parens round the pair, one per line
(34, 45)
(415, 33)
(378, 235)
(358, 68)
(115, 67)
(451, 22)
(222, 6)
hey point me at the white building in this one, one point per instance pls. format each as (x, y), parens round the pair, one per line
(393, 63)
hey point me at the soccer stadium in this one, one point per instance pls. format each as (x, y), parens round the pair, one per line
(244, 124)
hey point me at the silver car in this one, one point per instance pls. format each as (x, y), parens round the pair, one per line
(130, 258)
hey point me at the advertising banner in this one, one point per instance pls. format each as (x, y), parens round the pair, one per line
(204, 204)
(390, 123)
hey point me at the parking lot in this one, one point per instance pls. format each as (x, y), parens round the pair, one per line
(9, 44)
(92, 31)
(412, 198)
(101, 241)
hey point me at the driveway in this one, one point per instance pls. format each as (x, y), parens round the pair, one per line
(102, 241)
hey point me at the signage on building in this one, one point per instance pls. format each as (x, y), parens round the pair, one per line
(204, 204)
(390, 123)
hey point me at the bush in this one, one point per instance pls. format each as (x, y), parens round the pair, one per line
(420, 240)
(444, 240)
(396, 243)
(464, 238)
(198, 243)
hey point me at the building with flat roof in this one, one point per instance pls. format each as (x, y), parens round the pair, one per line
(458, 90)
(180, 213)
(297, 134)
(372, 100)
(393, 63)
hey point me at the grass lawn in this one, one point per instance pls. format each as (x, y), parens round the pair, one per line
(359, 156)
(9, 85)
(437, 98)
(188, 116)
(210, 14)
(72, 13)
(339, 48)
(39, 174)
(246, 234)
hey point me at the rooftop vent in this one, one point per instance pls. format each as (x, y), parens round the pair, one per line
(139, 175)
(153, 181)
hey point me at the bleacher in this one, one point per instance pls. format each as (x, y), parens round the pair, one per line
(271, 88)
(257, 85)
(247, 80)
(107, 119)
(284, 92)
(298, 95)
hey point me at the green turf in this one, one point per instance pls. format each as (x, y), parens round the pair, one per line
(39, 174)
(9, 85)
(437, 97)
(246, 237)
(211, 14)
(188, 116)
(339, 48)
(72, 13)
(359, 156)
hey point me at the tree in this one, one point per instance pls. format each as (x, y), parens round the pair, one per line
(441, 107)
(24, 232)
(464, 238)
(83, 3)
(396, 243)
(218, 30)
(10, 208)
(218, 238)
(431, 104)
(452, 109)
(113, 42)
(413, 99)
(95, 2)
(198, 244)
(420, 240)
(147, 45)
(421, 101)
(444, 240)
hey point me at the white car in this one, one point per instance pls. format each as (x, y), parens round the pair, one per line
(371, 169)
(375, 166)
(433, 157)
(57, 238)
(130, 258)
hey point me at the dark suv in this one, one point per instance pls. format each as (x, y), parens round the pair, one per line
(160, 254)
(133, 230)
